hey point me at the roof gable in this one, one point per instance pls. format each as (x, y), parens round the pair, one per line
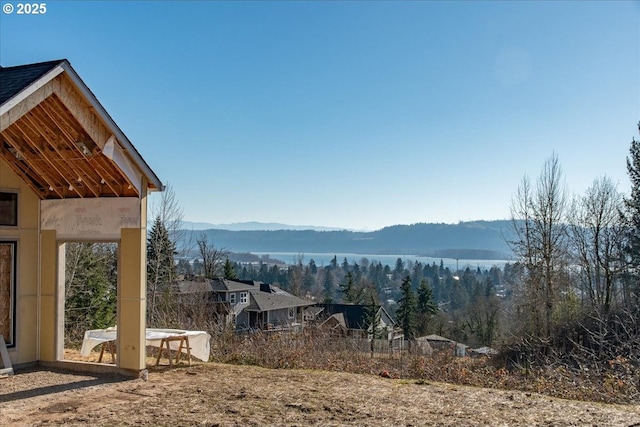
(355, 315)
(61, 141)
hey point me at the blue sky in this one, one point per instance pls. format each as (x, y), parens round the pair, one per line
(353, 114)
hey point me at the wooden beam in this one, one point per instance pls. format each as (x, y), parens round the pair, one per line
(22, 173)
(109, 166)
(79, 169)
(62, 121)
(66, 172)
(31, 162)
(81, 110)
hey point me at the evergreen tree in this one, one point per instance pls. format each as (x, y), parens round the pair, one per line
(416, 275)
(229, 270)
(426, 306)
(398, 271)
(347, 288)
(632, 221)
(372, 320)
(406, 312)
(161, 269)
(438, 292)
(313, 267)
(90, 288)
(334, 263)
(328, 285)
(352, 293)
(183, 267)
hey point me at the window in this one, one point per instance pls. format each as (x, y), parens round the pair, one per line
(292, 312)
(232, 298)
(7, 291)
(244, 297)
(8, 208)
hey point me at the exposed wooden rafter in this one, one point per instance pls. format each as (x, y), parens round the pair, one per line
(53, 148)
(60, 139)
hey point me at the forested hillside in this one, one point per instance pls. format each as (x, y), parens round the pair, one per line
(466, 240)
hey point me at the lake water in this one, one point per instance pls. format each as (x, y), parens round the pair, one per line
(322, 259)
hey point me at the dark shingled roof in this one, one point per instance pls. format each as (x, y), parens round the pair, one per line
(14, 80)
(274, 300)
(229, 285)
(354, 314)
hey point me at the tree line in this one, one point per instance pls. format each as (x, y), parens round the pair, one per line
(573, 290)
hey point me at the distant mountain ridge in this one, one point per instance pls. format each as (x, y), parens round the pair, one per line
(465, 240)
(253, 226)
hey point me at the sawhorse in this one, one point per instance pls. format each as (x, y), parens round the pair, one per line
(184, 343)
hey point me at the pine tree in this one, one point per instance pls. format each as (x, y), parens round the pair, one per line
(406, 312)
(426, 306)
(632, 221)
(161, 269)
(352, 293)
(372, 320)
(90, 288)
(229, 270)
(328, 286)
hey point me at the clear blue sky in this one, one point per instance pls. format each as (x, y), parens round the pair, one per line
(353, 114)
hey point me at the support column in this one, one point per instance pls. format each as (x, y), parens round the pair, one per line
(48, 297)
(132, 302)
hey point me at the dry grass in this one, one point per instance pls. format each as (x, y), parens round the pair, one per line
(617, 382)
(215, 394)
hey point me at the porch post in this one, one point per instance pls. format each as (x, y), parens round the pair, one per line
(48, 324)
(132, 302)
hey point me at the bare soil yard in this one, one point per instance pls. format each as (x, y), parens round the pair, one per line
(228, 395)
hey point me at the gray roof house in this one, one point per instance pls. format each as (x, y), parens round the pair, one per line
(250, 304)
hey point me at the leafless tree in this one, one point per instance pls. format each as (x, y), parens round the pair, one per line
(171, 215)
(212, 258)
(160, 277)
(540, 243)
(296, 275)
(596, 233)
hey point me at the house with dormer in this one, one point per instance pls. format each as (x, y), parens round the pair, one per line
(250, 305)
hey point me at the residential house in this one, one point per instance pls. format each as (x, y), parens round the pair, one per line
(351, 320)
(250, 304)
(439, 343)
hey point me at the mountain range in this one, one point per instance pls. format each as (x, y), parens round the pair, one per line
(253, 226)
(465, 240)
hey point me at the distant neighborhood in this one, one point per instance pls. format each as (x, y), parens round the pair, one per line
(249, 306)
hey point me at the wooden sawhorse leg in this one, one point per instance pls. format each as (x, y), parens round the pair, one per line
(184, 343)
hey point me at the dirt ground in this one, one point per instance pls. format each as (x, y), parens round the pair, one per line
(228, 395)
